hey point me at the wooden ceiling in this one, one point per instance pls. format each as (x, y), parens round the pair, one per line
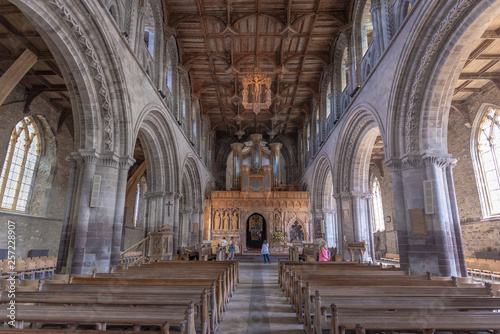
(44, 79)
(221, 41)
(481, 69)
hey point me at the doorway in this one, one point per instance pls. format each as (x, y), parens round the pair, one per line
(256, 231)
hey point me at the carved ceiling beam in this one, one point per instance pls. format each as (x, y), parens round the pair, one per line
(210, 60)
(306, 48)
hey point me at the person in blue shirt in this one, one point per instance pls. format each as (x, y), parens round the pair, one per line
(265, 251)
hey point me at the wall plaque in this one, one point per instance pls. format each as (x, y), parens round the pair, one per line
(417, 221)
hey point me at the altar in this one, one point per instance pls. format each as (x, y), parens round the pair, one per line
(256, 208)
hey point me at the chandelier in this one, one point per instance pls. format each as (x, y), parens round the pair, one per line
(256, 92)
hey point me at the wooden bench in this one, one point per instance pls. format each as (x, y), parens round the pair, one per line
(102, 316)
(419, 304)
(310, 253)
(174, 298)
(412, 320)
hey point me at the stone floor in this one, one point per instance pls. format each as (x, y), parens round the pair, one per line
(259, 306)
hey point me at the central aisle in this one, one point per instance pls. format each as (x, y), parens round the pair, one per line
(259, 306)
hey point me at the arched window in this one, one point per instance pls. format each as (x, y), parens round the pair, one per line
(488, 146)
(366, 27)
(169, 73)
(183, 104)
(308, 139)
(378, 212)
(344, 70)
(317, 122)
(328, 99)
(149, 29)
(21, 161)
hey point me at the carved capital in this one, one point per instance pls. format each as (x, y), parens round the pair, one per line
(411, 162)
(439, 160)
(394, 165)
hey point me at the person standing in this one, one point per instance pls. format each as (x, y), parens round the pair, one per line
(324, 253)
(232, 249)
(265, 251)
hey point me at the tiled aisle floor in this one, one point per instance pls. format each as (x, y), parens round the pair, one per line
(259, 306)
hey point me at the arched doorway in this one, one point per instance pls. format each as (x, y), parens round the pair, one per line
(256, 231)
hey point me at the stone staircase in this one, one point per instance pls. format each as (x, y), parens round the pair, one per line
(256, 257)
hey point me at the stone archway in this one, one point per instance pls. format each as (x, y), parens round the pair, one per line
(256, 231)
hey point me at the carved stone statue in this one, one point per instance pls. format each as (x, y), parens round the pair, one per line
(234, 221)
(225, 223)
(217, 220)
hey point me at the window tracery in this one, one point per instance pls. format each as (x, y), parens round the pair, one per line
(21, 161)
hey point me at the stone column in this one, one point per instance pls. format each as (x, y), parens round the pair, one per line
(14, 74)
(121, 190)
(400, 221)
(177, 198)
(275, 160)
(456, 217)
(155, 206)
(86, 167)
(200, 226)
(169, 211)
(378, 37)
(62, 257)
(369, 214)
(441, 219)
(237, 160)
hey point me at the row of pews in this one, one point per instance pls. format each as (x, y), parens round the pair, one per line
(163, 297)
(28, 267)
(335, 297)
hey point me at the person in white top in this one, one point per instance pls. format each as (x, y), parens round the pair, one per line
(265, 251)
(223, 243)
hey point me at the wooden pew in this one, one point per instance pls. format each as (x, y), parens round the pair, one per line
(175, 298)
(420, 304)
(101, 316)
(334, 292)
(412, 320)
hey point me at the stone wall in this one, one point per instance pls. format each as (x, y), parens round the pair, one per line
(478, 234)
(40, 227)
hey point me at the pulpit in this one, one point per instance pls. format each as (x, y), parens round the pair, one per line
(160, 246)
(352, 247)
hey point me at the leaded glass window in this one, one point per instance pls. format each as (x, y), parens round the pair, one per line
(489, 154)
(21, 160)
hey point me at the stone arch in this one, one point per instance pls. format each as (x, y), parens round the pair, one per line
(323, 204)
(353, 162)
(80, 48)
(428, 75)
(191, 204)
(160, 149)
(354, 133)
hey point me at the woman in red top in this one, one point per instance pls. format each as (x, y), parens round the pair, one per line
(324, 253)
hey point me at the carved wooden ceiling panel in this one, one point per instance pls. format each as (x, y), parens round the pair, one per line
(222, 41)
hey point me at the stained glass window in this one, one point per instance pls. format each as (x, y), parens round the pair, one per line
(18, 172)
(378, 212)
